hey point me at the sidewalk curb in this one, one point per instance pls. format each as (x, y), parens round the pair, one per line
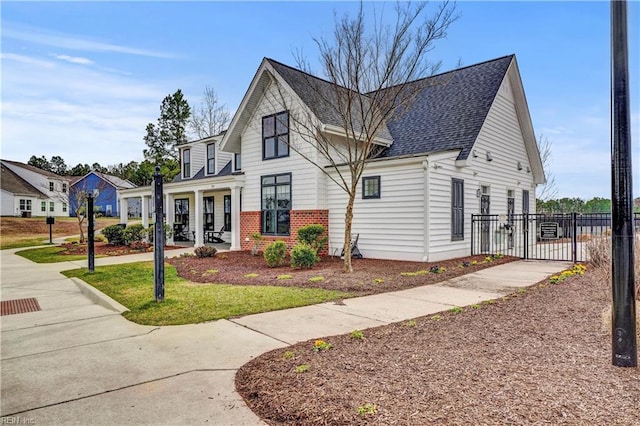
(99, 297)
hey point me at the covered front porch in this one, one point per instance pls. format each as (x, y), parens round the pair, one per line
(199, 212)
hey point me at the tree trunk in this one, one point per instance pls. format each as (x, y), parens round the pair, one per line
(80, 227)
(348, 218)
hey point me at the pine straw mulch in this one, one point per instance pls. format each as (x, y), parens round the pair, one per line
(370, 276)
(540, 357)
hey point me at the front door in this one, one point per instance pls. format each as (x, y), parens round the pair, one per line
(485, 235)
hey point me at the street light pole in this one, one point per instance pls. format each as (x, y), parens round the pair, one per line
(623, 317)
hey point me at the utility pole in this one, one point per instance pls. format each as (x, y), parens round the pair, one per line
(623, 315)
(158, 237)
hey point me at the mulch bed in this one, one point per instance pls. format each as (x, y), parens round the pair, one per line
(540, 357)
(370, 276)
(106, 249)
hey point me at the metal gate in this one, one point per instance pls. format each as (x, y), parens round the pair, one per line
(557, 236)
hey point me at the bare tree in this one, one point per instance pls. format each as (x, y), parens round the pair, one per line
(548, 190)
(78, 196)
(371, 77)
(211, 118)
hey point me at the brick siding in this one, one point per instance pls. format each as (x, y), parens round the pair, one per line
(250, 224)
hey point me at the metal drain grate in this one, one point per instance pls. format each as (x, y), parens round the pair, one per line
(19, 306)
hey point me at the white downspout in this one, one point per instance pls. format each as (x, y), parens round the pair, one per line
(427, 209)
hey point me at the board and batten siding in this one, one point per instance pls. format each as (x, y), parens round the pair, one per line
(305, 177)
(390, 227)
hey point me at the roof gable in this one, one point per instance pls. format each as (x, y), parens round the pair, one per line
(34, 169)
(11, 182)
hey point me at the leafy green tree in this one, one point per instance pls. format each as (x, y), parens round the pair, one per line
(80, 170)
(58, 166)
(40, 162)
(162, 139)
(598, 205)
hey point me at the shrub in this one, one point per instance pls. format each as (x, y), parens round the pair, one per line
(313, 235)
(114, 234)
(275, 253)
(205, 251)
(134, 234)
(168, 232)
(303, 256)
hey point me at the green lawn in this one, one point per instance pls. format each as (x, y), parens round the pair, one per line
(188, 303)
(29, 242)
(49, 255)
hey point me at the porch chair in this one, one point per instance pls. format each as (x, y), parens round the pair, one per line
(215, 237)
(355, 251)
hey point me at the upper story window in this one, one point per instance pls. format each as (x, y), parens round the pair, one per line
(64, 188)
(51, 186)
(211, 158)
(237, 162)
(371, 187)
(275, 136)
(186, 163)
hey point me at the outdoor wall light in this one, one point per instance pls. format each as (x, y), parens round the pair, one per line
(519, 165)
(474, 153)
(478, 192)
(528, 170)
(489, 156)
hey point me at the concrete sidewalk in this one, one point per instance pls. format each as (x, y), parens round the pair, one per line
(77, 362)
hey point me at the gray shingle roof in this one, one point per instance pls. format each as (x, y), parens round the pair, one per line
(225, 171)
(447, 113)
(11, 182)
(37, 170)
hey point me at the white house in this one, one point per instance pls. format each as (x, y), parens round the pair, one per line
(465, 145)
(29, 191)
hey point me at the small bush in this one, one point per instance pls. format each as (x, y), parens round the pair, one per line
(313, 235)
(303, 256)
(114, 234)
(275, 253)
(205, 251)
(139, 245)
(168, 232)
(134, 234)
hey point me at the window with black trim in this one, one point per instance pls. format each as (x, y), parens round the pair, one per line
(181, 211)
(51, 186)
(208, 214)
(457, 209)
(186, 163)
(276, 204)
(211, 159)
(371, 187)
(227, 213)
(25, 205)
(237, 162)
(525, 201)
(275, 136)
(64, 187)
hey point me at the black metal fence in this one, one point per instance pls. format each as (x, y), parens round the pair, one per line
(557, 236)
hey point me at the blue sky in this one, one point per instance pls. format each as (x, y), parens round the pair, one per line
(82, 79)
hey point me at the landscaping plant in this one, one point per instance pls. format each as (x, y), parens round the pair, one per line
(275, 253)
(205, 251)
(114, 235)
(303, 256)
(313, 235)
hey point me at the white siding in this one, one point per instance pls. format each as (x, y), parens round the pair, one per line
(222, 158)
(9, 207)
(305, 177)
(390, 227)
(41, 182)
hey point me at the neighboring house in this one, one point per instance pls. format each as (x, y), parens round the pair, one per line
(30, 191)
(104, 187)
(464, 146)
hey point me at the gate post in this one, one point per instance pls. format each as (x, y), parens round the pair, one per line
(473, 231)
(574, 237)
(525, 235)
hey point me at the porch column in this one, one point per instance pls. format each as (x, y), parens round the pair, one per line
(235, 218)
(170, 215)
(199, 240)
(144, 210)
(124, 209)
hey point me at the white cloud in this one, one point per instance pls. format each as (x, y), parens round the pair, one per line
(74, 59)
(73, 42)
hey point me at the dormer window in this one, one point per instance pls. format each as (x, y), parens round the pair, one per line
(186, 163)
(211, 158)
(275, 136)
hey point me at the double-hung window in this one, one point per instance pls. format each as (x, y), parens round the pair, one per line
(275, 136)
(51, 206)
(276, 204)
(457, 209)
(237, 162)
(43, 206)
(211, 159)
(51, 186)
(525, 201)
(25, 205)
(371, 187)
(186, 163)
(64, 188)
